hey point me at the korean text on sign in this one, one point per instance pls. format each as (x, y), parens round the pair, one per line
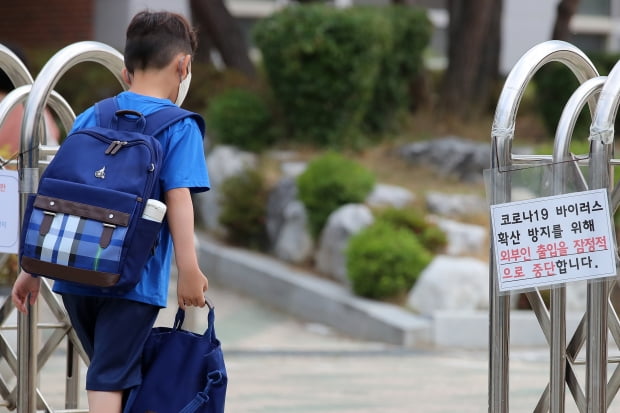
(552, 240)
(9, 212)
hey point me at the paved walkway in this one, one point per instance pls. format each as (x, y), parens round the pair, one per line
(279, 364)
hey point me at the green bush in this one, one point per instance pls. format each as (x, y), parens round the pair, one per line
(400, 64)
(240, 118)
(384, 261)
(555, 83)
(243, 203)
(429, 234)
(322, 64)
(337, 73)
(329, 182)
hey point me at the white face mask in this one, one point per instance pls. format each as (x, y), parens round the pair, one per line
(183, 89)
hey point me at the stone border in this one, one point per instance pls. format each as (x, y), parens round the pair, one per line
(311, 298)
(320, 300)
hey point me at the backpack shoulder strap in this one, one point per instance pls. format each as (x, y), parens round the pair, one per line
(158, 121)
(105, 110)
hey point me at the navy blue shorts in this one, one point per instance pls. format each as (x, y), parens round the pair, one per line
(113, 332)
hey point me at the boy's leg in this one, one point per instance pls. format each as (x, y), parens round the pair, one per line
(105, 401)
(121, 328)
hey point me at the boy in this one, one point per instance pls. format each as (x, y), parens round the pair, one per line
(113, 330)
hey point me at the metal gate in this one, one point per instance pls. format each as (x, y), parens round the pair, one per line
(600, 320)
(32, 354)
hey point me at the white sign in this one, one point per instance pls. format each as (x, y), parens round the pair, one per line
(9, 212)
(552, 240)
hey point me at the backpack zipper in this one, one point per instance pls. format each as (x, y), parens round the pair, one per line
(114, 147)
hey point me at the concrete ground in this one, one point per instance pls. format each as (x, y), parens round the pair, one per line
(276, 364)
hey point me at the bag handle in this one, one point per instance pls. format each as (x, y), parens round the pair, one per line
(156, 122)
(210, 331)
(128, 120)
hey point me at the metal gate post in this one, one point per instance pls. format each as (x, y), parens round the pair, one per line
(29, 164)
(27, 344)
(601, 176)
(501, 157)
(563, 163)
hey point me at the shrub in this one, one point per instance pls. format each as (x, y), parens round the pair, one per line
(243, 200)
(240, 118)
(429, 234)
(384, 261)
(209, 82)
(322, 64)
(329, 182)
(400, 64)
(342, 76)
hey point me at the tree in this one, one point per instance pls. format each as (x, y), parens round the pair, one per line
(565, 11)
(474, 35)
(219, 30)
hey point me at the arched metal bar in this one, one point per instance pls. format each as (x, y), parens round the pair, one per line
(502, 136)
(14, 68)
(57, 103)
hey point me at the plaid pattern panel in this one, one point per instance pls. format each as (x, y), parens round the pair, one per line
(73, 241)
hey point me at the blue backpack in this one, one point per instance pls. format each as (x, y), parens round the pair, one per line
(85, 224)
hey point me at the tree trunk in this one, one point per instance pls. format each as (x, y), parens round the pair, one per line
(219, 29)
(488, 74)
(473, 53)
(565, 11)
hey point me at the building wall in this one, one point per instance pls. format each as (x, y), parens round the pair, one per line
(113, 16)
(53, 23)
(525, 23)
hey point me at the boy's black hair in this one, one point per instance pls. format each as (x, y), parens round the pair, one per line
(154, 38)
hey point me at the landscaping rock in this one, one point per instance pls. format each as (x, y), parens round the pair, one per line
(282, 194)
(223, 162)
(455, 205)
(384, 195)
(294, 242)
(341, 225)
(463, 239)
(293, 168)
(451, 283)
(450, 156)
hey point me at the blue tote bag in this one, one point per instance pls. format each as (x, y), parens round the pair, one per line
(183, 372)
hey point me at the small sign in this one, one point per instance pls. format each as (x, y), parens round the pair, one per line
(553, 240)
(9, 212)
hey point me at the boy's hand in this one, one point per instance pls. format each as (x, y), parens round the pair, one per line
(191, 287)
(25, 285)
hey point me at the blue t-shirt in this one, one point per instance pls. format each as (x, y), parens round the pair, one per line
(184, 166)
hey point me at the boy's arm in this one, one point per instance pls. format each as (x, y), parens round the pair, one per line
(192, 283)
(25, 286)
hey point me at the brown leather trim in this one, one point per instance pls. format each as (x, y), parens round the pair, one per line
(62, 272)
(106, 236)
(46, 224)
(106, 215)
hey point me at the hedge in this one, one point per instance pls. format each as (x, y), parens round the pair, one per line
(336, 72)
